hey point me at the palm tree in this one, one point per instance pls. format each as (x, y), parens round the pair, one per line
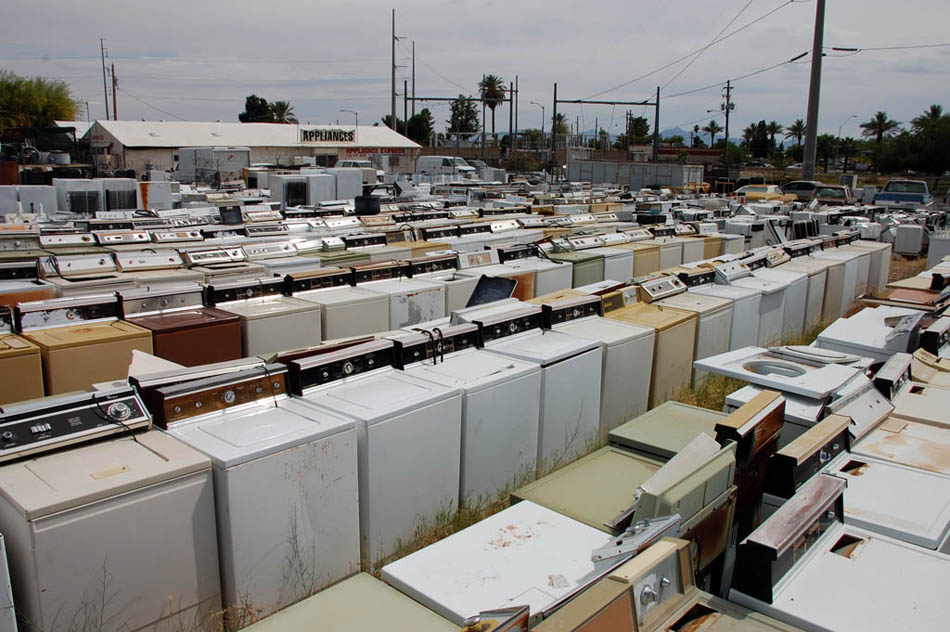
(848, 147)
(712, 128)
(492, 90)
(696, 135)
(773, 128)
(879, 127)
(283, 112)
(33, 102)
(796, 130)
(928, 120)
(748, 134)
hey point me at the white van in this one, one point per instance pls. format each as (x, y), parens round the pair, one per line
(371, 174)
(443, 165)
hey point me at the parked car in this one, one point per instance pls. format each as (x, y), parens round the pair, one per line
(371, 174)
(764, 192)
(443, 165)
(804, 190)
(833, 195)
(902, 193)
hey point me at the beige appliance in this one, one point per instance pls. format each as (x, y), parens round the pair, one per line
(221, 263)
(81, 340)
(646, 253)
(19, 284)
(20, 364)
(74, 275)
(156, 268)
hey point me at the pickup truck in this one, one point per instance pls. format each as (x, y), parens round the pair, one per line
(904, 194)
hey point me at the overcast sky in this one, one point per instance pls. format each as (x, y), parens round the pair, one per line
(197, 60)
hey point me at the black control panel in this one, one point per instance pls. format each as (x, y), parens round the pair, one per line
(570, 309)
(936, 336)
(474, 229)
(260, 230)
(893, 375)
(18, 270)
(510, 323)
(364, 240)
(215, 294)
(28, 429)
(419, 216)
(433, 344)
(318, 280)
(790, 469)
(323, 369)
(439, 232)
(498, 212)
(380, 271)
(520, 251)
(62, 312)
(799, 249)
(697, 277)
(663, 231)
(755, 262)
(422, 265)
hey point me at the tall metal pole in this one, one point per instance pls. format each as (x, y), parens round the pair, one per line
(105, 90)
(656, 127)
(405, 104)
(511, 115)
(483, 121)
(517, 103)
(413, 77)
(814, 89)
(392, 121)
(554, 124)
(725, 147)
(115, 103)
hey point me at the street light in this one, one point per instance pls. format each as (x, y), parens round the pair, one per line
(542, 120)
(356, 131)
(840, 127)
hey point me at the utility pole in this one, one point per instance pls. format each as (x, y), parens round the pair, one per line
(392, 121)
(115, 104)
(554, 124)
(814, 89)
(727, 107)
(517, 102)
(656, 128)
(413, 77)
(596, 132)
(511, 115)
(105, 90)
(405, 104)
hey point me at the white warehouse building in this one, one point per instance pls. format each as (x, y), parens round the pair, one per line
(146, 145)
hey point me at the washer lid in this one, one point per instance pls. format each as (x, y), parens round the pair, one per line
(77, 476)
(666, 429)
(340, 296)
(606, 330)
(658, 317)
(734, 292)
(895, 501)
(403, 285)
(544, 347)
(700, 303)
(380, 395)
(473, 369)
(268, 307)
(766, 286)
(236, 437)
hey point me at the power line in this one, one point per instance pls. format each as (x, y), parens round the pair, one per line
(739, 78)
(443, 77)
(690, 54)
(859, 50)
(146, 103)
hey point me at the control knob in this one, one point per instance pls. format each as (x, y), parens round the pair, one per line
(119, 411)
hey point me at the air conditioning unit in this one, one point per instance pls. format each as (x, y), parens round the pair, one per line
(79, 196)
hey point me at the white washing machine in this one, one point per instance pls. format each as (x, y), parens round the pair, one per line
(285, 485)
(375, 246)
(618, 262)
(487, 263)
(713, 326)
(501, 405)
(523, 555)
(808, 568)
(849, 284)
(771, 305)
(874, 332)
(549, 276)
(745, 305)
(7, 607)
(817, 271)
(220, 264)
(408, 440)
(84, 526)
(627, 356)
(570, 384)
(270, 321)
(671, 248)
(443, 268)
(879, 265)
(344, 310)
(156, 268)
(411, 300)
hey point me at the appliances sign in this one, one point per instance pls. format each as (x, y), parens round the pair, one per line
(312, 136)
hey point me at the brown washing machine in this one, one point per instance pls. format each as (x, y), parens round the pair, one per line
(184, 331)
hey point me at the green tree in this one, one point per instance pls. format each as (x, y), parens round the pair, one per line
(928, 121)
(463, 120)
(825, 149)
(33, 102)
(675, 140)
(256, 110)
(283, 112)
(748, 134)
(796, 130)
(561, 126)
(712, 128)
(492, 90)
(620, 142)
(879, 127)
(848, 148)
(400, 124)
(759, 147)
(639, 130)
(697, 141)
(421, 127)
(773, 128)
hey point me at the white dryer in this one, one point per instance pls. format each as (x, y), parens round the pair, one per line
(745, 304)
(344, 310)
(671, 247)
(549, 275)
(627, 356)
(501, 405)
(849, 283)
(796, 292)
(270, 321)
(7, 606)
(570, 383)
(285, 480)
(411, 300)
(84, 526)
(771, 305)
(408, 441)
(880, 264)
(818, 282)
(487, 263)
(442, 268)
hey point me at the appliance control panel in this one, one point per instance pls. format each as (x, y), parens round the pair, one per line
(18, 270)
(505, 226)
(320, 279)
(585, 243)
(405, 234)
(581, 218)
(42, 425)
(706, 228)
(569, 309)
(729, 271)
(244, 290)
(516, 321)
(477, 258)
(440, 232)
(68, 239)
(661, 287)
(606, 217)
(894, 375)
(140, 261)
(512, 253)
(266, 230)
(263, 216)
(463, 213)
(170, 236)
(685, 229)
(639, 234)
(809, 453)
(332, 243)
(141, 300)
(342, 223)
(269, 251)
(364, 240)
(475, 228)
(380, 271)
(64, 311)
(776, 257)
(936, 336)
(800, 248)
(422, 265)
(432, 344)
(331, 367)
(697, 276)
(213, 257)
(135, 237)
(375, 221)
(190, 399)
(77, 265)
(663, 231)
(613, 239)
